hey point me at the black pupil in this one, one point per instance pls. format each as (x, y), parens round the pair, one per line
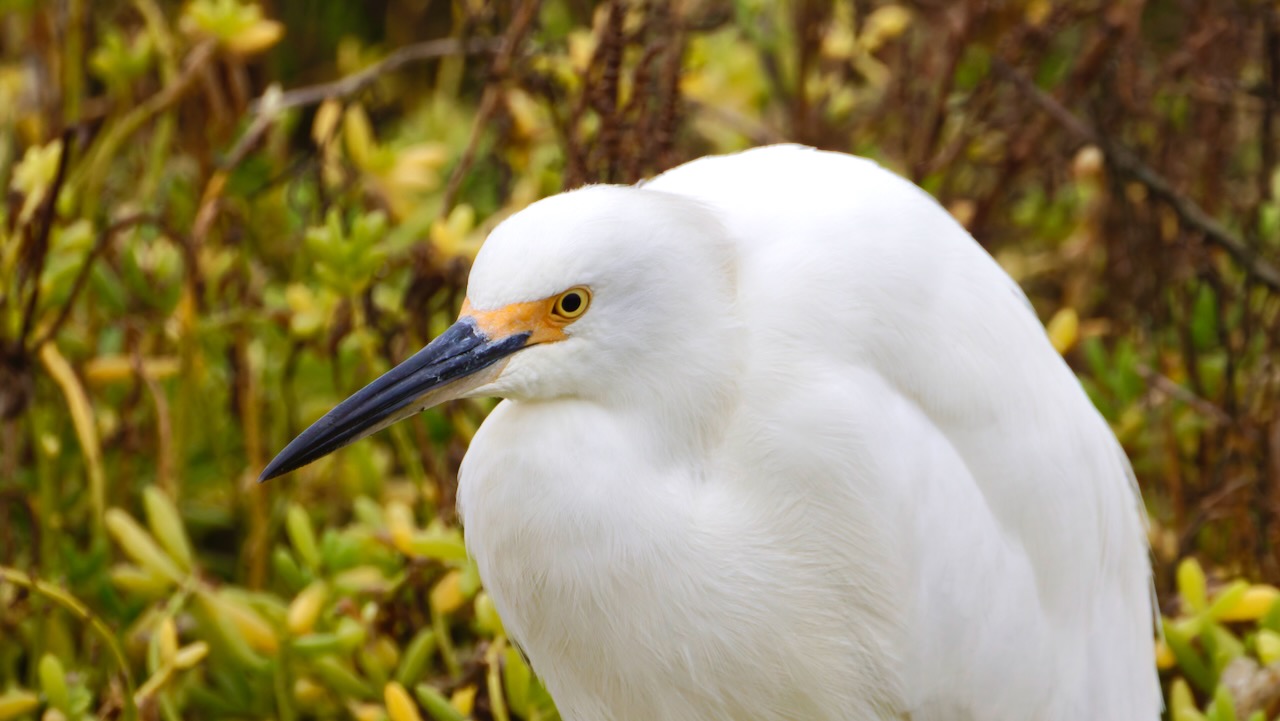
(571, 302)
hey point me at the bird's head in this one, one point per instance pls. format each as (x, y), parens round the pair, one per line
(609, 294)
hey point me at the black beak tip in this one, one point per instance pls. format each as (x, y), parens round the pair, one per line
(299, 452)
(307, 447)
(274, 469)
(459, 351)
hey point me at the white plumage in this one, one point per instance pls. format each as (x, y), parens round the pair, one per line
(807, 456)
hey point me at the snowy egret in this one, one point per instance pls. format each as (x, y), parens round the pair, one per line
(781, 442)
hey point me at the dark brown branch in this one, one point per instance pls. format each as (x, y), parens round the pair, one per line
(268, 106)
(31, 264)
(511, 41)
(248, 139)
(1126, 162)
(1266, 119)
(355, 82)
(756, 131)
(1172, 389)
(82, 276)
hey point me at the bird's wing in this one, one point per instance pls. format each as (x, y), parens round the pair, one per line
(845, 262)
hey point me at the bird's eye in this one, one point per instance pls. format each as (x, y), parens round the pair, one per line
(571, 303)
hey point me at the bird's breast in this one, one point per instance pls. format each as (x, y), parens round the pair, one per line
(620, 574)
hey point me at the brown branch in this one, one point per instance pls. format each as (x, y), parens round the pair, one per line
(520, 24)
(267, 107)
(1266, 119)
(355, 82)
(1126, 162)
(603, 96)
(262, 122)
(31, 264)
(756, 131)
(958, 41)
(82, 276)
(164, 424)
(1172, 389)
(105, 152)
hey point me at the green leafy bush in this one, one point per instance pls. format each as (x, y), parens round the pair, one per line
(223, 216)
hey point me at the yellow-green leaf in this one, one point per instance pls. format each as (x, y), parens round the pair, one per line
(436, 705)
(140, 546)
(53, 681)
(1191, 584)
(1064, 329)
(17, 703)
(298, 525)
(400, 707)
(167, 526)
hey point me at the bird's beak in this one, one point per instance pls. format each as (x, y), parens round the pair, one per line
(461, 359)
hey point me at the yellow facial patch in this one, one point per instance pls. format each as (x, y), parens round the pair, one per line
(536, 317)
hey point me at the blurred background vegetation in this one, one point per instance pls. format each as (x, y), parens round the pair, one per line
(223, 216)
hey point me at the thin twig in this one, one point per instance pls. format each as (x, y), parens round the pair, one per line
(105, 152)
(32, 261)
(82, 276)
(355, 82)
(1129, 164)
(77, 608)
(520, 24)
(164, 424)
(755, 130)
(1208, 504)
(267, 107)
(262, 122)
(1172, 389)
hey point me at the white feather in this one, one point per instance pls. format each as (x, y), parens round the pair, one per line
(807, 456)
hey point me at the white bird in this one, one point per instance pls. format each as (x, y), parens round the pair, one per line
(781, 442)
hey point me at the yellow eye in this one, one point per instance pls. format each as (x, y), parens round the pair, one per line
(571, 303)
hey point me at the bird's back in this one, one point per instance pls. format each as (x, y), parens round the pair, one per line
(1021, 532)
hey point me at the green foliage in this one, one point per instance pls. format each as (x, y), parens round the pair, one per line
(119, 62)
(323, 638)
(1234, 631)
(202, 253)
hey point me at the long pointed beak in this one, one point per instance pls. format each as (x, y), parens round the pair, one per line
(449, 366)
